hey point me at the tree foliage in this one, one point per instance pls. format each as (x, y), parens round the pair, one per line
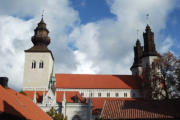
(55, 115)
(163, 77)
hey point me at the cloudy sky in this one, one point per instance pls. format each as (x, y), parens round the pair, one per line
(87, 36)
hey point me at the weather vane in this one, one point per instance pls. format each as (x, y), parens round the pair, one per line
(147, 18)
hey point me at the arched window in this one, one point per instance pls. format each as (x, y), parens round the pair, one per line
(41, 64)
(33, 64)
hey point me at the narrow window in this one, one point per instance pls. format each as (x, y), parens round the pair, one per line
(91, 94)
(117, 94)
(41, 64)
(125, 94)
(33, 64)
(108, 94)
(99, 94)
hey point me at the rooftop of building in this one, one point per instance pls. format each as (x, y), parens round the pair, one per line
(92, 81)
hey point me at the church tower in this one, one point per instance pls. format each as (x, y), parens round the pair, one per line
(39, 60)
(137, 65)
(149, 52)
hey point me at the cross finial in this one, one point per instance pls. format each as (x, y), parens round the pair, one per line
(42, 13)
(147, 18)
(137, 33)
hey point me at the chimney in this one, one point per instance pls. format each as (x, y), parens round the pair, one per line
(4, 82)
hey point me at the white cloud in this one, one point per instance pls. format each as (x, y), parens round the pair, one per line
(166, 45)
(108, 43)
(104, 46)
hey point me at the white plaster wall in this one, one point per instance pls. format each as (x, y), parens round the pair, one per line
(37, 78)
(104, 92)
(80, 109)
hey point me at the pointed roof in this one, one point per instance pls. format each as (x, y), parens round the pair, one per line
(149, 44)
(40, 40)
(138, 49)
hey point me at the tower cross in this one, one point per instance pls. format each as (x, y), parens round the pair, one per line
(42, 13)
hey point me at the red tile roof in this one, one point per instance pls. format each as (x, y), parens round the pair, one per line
(97, 81)
(99, 102)
(59, 96)
(138, 109)
(14, 103)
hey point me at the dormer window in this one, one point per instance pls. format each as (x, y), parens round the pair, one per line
(41, 64)
(33, 64)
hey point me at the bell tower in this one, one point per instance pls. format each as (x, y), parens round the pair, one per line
(137, 65)
(149, 52)
(39, 60)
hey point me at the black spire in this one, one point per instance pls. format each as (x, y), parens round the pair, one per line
(138, 49)
(40, 38)
(149, 45)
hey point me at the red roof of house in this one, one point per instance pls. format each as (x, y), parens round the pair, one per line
(138, 109)
(14, 103)
(99, 102)
(59, 96)
(97, 81)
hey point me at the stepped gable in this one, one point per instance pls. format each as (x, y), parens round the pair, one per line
(97, 81)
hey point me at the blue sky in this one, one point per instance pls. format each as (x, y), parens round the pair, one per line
(92, 10)
(95, 10)
(87, 36)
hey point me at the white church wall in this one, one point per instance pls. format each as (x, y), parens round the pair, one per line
(80, 110)
(37, 78)
(115, 93)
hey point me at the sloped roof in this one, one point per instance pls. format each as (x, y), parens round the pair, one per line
(59, 96)
(99, 102)
(14, 103)
(138, 109)
(97, 81)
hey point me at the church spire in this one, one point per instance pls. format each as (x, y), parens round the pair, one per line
(137, 55)
(40, 39)
(149, 45)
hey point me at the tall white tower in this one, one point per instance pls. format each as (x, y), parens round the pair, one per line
(39, 61)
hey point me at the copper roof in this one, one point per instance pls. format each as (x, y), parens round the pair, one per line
(97, 81)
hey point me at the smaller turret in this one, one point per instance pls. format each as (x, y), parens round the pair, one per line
(137, 65)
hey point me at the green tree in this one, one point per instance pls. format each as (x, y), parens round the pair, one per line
(55, 115)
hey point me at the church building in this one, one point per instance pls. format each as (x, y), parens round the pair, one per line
(82, 96)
